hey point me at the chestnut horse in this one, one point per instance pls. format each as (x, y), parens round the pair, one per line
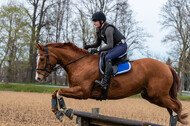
(158, 81)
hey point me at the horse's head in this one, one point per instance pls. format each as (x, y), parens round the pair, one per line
(46, 61)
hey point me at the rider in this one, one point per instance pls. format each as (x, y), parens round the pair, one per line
(116, 45)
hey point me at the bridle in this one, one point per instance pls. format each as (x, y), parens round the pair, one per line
(48, 63)
(52, 69)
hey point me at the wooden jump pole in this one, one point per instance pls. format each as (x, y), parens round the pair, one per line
(95, 119)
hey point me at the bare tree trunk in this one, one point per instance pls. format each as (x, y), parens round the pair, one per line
(35, 37)
(9, 72)
(30, 72)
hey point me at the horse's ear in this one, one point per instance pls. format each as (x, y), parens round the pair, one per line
(40, 47)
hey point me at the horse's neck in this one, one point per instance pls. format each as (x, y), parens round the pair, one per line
(66, 56)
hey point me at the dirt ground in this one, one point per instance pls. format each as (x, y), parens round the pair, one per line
(34, 109)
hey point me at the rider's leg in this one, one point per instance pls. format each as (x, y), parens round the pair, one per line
(112, 54)
(116, 52)
(107, 75)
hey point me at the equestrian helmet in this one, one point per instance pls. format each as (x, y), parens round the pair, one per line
(98, 16)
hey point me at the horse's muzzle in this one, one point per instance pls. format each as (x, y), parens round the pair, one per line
(41, 79)
(38, 79)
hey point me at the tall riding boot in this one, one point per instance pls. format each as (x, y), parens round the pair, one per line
(107, 75)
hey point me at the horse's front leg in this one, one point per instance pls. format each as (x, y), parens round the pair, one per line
(74, 92)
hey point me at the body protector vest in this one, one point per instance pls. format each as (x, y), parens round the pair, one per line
(117, 36)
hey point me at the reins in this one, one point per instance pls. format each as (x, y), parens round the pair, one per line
(75, 60)
(58, 67)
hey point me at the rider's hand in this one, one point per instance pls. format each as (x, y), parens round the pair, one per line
(93, 51)
(86, 47)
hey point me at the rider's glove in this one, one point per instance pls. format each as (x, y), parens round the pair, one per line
(86, 47)
(93, 51)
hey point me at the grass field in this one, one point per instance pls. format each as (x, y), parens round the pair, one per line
(27, 88)
(33, 109)
(33, 88)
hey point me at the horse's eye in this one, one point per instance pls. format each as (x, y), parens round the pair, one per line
(41, 59)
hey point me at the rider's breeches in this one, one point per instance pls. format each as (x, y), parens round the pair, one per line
(116, 51)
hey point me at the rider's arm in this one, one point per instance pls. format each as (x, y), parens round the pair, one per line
(98, 42)
(109, 36)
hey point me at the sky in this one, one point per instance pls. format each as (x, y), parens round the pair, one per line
(147, 13)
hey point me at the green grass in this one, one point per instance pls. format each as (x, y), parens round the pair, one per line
(20, 83)
(27, 88)
(186, 93)
(180, 97)
(136, 96)
(184, 97)
(33, 88)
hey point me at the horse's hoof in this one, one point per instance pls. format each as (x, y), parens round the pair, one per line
(69, 113)
(59, 115)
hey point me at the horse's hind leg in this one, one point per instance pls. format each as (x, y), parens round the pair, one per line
(167, 102)
(173, 105)
(173, 118)
(144, 95)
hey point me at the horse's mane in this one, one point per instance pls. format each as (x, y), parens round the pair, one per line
(70, 44)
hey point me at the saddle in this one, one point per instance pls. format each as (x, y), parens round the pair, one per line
(119, 65)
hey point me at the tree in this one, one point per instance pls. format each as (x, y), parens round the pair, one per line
(175, 17)
(14, 33)
(125, 22)
(118, 13)
(169, 62)
(38, 21)
(54, 27)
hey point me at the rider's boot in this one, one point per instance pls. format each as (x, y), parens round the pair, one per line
(107, 75)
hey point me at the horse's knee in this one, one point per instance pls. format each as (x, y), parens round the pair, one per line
(58, 95)
(54, 94)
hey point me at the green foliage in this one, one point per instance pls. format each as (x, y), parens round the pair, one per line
(14, 39)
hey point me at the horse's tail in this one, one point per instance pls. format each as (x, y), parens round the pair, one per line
(176, 84)
(173, 94)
